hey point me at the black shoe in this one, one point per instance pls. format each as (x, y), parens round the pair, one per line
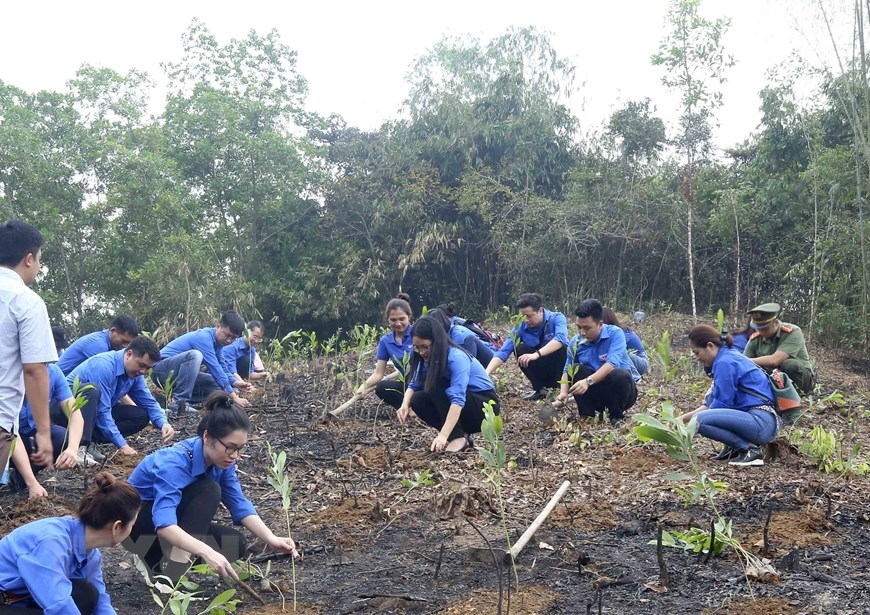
(726, 454)
(536, 395)
(753, 456)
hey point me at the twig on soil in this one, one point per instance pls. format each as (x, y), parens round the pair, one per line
(248, 589)
(438, 565)
(407, 597)
(765, 534)
(825, 578)
(664, 578)
(712, 541)
(495, 560)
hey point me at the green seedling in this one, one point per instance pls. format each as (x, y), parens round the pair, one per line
(281, 482)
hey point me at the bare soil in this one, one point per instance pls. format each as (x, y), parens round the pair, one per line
(372, 545)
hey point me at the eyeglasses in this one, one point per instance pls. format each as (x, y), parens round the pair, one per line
(422, 349)
(230, 449)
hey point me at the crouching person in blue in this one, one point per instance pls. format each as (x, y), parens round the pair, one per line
(52, 565)
(181, 489)
(598, 372)
(738, 411)
(448, 388)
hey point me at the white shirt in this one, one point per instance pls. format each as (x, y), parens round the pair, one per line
(25, 337)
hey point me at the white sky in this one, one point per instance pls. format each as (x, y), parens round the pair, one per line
(355, 54)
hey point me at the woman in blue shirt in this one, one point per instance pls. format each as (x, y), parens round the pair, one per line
(738, 410)
(53, 565)
(463, 337)
(448, 388)
(394, 347)
(636, 351)
(182, 487)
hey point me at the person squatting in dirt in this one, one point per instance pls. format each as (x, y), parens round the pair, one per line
(395, 347)
(539, 343)
(240, 359)
(447, 388)
(779, 345)
(598, 371)
(738, 409)
(117, 337)
(181, 488)
(636, 351)
(54, 564)
(463, 336)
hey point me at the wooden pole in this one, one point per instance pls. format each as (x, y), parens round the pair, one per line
(527, 535)
(349, 403)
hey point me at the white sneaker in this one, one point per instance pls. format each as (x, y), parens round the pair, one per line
(85, 458)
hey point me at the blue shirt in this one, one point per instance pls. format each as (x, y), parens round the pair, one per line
(465, 338)
(232, 353)
(41, 557)
(554, 327)
(58, 391)
(733, 372)
(608, 348)
(161, 476)
(464, 372)
(739, 341)
(390, 350)
(84, 348)
(106, 370)
(633, 342)
(205, 341)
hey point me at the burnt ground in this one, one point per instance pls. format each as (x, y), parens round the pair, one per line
(372, 545)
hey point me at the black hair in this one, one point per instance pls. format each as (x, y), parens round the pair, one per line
(610, 318)
(746, 330)
(589, 307)
(532, 300)
(222, 416)
(402, 301)
(143, 345)
(125, 324)
(17, 240)
(701, 335)
(110, 499)
(232, 321)
(428, 328)
(449, 308)
(256, 324)
(442, 317)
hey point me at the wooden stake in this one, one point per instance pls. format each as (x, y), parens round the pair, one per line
(527, 535)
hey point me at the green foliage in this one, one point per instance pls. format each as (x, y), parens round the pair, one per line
(420, 479)
(825, 449)
(494, 454)
(180, 596)
(280, 481)
(662, 354)
(698, 540)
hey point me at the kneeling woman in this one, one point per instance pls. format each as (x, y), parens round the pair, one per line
(181, 488)
(738, 411)
(448, 387)
(53, 565)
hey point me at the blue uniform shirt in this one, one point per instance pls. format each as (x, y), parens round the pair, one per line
(232, 353)
(464, 372)
(465, 338)
(84, 348)
(161, 476)
(633, 342)
(390, 350)
(730, 369)
(106, 370)
(205, 341)
(555, 327)
(608, 348)
(41, 557)
(58, 391)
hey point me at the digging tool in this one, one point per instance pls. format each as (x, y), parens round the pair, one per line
(527, 535)
(336, 411)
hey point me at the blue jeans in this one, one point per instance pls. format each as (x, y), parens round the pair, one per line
(738, 428)
(191, 385)
(641, 364)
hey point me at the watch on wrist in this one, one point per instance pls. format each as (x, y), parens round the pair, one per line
(589, 381)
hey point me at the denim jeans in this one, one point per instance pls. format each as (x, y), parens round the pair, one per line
(738, 428)
(191, 385)
(641, 364)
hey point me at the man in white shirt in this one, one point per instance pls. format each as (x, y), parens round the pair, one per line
(26, 342)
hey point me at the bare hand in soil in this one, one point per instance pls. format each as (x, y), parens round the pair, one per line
(128, 450)
(241, 402)
(439, 443)
(284, 545)
(403, 413)
(218, 563)
(36, 491)
(44, 453)
(167, 432)
(67, 460)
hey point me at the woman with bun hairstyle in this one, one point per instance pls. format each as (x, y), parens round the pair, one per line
(53, 565)
(463, 336)
(447, 388)
(738, 410)
(395, 347)
(182, 487)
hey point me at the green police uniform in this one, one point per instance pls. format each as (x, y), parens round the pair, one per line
(789, 339)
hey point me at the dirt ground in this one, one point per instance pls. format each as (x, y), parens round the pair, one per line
(372, 545)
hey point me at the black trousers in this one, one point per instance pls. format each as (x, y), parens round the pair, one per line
(616, 394)
(432, 408)
(84, 594)
(88, 412)
(391, 392)
(195, 512)
(545, 372)
(243, 366)
(128, 420)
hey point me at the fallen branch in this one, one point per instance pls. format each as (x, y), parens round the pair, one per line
(527, 535)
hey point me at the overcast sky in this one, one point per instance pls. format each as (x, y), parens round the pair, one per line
(355, 55)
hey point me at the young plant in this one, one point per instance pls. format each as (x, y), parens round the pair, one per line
(180, 595)
(421, 479)
(281, 482)
(168, 388)
(825, 449)
(662, 353)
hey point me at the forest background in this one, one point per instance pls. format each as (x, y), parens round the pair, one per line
(237, 195)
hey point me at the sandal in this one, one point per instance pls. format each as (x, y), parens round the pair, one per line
(467, 444)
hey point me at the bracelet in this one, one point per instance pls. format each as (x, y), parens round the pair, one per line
(539, 354)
